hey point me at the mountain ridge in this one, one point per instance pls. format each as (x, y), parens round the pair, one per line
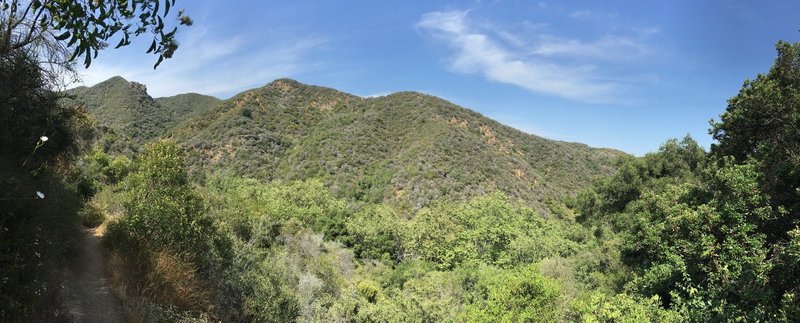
(296, 82)
(407, 148)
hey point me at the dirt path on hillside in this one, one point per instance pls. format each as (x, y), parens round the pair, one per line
(97, 302)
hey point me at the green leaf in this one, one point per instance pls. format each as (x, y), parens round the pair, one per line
(72, 42)
(160, 58)
(121, 43)
(152, 47)
(75, 53)
(63, 36)
(87, 60)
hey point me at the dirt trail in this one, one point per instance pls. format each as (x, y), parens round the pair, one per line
(97, 302)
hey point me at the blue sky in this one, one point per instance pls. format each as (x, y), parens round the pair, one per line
(619, 74)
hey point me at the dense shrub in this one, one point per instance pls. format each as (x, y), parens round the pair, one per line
(165, 219)
(712, 236)
(38, 198)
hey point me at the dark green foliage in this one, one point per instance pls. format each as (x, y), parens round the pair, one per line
(37, 241)
(36, 231)
(675, 162)
(85, 26)
(761, 123)
(29, 111)
(404, 271)
(375, 233)
(679, 243)
(714, 237)
(100, 168)
(691, 234)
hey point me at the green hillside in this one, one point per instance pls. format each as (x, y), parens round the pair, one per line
(407, 148)
(124, 106)
(188, 104)
(128, 109)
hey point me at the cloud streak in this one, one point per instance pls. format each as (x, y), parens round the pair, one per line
(547, 65)
(611, 48)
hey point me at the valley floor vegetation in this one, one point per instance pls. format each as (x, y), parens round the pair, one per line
(680, 234)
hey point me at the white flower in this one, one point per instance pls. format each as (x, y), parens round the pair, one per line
(40, 194)
(44, 138)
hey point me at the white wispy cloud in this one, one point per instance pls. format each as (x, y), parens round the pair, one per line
(539, 62)
(207, 63)
(607, 48)
(586, 14)
(581, 14)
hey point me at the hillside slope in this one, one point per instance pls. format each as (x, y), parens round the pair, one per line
(187, 105)
(407, 149)
(127, 108)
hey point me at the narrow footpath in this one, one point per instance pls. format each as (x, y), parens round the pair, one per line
(97, 302)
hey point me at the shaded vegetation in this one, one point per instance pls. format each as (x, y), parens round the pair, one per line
(39, 201)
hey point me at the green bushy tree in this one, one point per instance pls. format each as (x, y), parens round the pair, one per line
(688, 249)
(478, 231)
(376, 233)
(623, 308)
(761, 123)
(519, 295)
(258, 210)
(163, 211)
(713, 237)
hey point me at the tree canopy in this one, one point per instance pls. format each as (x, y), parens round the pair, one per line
(63, 31)
(715, 236)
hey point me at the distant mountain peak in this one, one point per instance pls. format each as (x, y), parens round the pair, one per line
(121, 83)
(284, 84)
(115, 79)
(112, 82)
